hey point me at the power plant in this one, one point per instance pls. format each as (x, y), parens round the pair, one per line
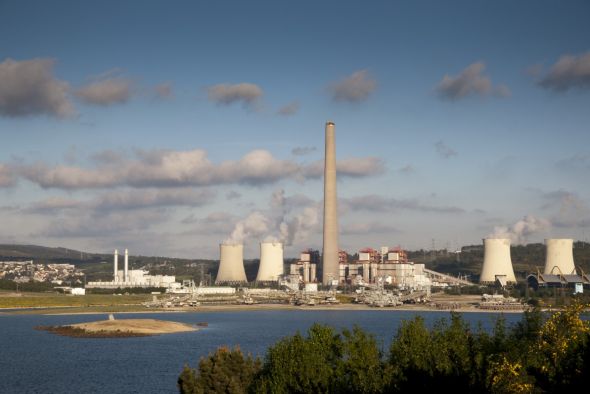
(330, 269)
(132, 278)
(271, 262)
(560, 257)
(497, 264)
(231, 264)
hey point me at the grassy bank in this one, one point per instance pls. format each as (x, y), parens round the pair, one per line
(45, 300)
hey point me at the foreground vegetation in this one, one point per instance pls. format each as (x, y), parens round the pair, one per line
(541, 353)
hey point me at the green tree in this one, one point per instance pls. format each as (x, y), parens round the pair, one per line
(224, 371)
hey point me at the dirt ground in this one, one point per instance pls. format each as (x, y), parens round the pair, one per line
(139, 326)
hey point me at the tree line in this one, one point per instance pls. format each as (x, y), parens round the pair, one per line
(540, 353)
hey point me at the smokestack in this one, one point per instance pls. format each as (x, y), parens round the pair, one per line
(496, 261)
(126, 273)
(231, 264)
(560, 257)
(330, 249)
(116, 260)
(271, 261)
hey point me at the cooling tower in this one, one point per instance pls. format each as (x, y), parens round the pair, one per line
(496, 261)
(231, 264)
(330, 250)
(271, 261)
(116, 263)
(560, 257)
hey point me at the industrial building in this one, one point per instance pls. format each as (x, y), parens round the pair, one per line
(306, 268)
(389, 266)
(132, 278)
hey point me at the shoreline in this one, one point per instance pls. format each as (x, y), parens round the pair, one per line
(461, 308)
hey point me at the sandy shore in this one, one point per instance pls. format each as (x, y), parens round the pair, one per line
(136, 326)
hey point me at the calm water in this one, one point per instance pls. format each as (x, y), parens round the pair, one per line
(34, 361)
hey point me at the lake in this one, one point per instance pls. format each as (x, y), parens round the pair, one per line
(34, 361)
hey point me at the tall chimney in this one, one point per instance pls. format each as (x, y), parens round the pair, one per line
(126, 274)
(116, 259)
(330, 250)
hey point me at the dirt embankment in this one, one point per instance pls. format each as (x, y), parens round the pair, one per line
(120, 328)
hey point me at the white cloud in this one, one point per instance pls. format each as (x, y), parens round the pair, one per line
(354, 88)
(104, 92)
(375, 203)
(471, 82)
(28, 87)
(569, 72)
(226, 94)
(6, 176)
(166, 168)
(444, 150)
(289, 109)
(164, 91)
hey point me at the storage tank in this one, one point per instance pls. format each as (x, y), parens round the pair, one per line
(496, 261)
(559, 257)
(231, 264)
(271, 261)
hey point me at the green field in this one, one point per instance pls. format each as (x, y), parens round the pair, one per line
(45, 300)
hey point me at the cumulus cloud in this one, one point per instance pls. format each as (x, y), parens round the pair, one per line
(576, 162)
(367, 228)
(289, 109)
(123, 201)
(407, 169)
(355, 88)
(164, 91)
(6, 176)
(213, 223)
(375, 203)
(522, 230)
(569, 72)
(471, 82)
(303, 150)
(166, 168)
(232, 195)
(104, 92)
(569, 210)
(444, 150)
(352, 167)
(104, 224)
(28, 87)
(226, 94)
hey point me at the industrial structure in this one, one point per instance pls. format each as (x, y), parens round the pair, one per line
(389, 266)
(305, 270)
(330, 269)
(231, 264)
(497, 263)
(271, 262)
(559, 257)
(132, 278)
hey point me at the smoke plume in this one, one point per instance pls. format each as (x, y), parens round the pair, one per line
(521, 230)
(282, 222)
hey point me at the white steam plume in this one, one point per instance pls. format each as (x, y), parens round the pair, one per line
(521, 230)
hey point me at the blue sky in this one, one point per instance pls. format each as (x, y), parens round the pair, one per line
(170, 127)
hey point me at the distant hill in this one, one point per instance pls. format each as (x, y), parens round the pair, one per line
(36, 252)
